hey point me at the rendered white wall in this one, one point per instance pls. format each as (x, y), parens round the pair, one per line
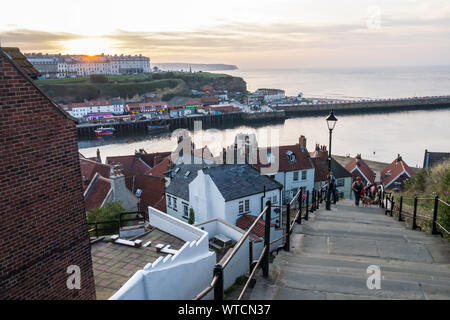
(181, 276)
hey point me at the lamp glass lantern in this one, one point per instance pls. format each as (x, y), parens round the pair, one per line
(331, 120)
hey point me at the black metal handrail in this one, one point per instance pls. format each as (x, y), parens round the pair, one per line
(253, 271)
(217, 282)
(434, 230)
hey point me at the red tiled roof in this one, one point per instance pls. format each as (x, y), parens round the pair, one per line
(152, 159)
(89, 168)
(246, 221)
(152, 189)
(394, 170)
(131, 164)
(302, 159)
(97, 192)
(159, 169)
(363, 168)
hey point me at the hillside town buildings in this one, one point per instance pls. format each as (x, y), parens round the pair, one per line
(95, 108)
(63, 66)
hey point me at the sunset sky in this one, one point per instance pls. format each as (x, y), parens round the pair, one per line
(250, 34)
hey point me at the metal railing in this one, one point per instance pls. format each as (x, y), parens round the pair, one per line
(109, 227)
(298, 203)
(388, 202)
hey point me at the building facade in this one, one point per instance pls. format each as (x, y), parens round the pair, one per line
(92, 108)
(61, 66)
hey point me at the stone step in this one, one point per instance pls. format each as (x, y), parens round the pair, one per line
(433, 274)
(351, 285)
(331, 252)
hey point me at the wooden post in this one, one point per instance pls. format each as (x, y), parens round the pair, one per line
(218, 288)
(287, 243)
(267, 240)
(414, 225)
(300, 202)
(250, 256)
(400, 209)
(435, 212)
(307, 204)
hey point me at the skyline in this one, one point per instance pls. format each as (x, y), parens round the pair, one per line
(250, 35)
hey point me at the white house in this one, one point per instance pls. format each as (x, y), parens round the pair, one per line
(291, 166)
(177, 189)
(236, 193)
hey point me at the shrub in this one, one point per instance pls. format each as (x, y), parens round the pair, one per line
(98, 78)
(109, 212)
(191, 219)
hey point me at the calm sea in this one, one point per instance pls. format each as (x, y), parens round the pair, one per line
(378, 137)
(382, 82)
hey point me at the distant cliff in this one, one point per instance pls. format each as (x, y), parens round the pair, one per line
(193, 66)
(131, 86)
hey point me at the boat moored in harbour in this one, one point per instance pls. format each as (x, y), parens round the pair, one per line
(104, 131)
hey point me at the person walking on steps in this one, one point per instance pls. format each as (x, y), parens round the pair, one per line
(357, 187)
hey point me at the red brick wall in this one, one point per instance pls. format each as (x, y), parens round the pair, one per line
(43, 228)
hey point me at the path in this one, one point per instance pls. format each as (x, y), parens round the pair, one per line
(330, 254)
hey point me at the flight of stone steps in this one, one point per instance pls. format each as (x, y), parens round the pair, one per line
(331, 252)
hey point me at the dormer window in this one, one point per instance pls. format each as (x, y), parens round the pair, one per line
(290, 156)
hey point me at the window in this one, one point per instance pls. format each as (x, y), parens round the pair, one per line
(304, 174)
(294, 191)
(275, 199)
(340, 182)
(175, 204)
(241, 207)
(185, 210)
(295, 175)
(247, 205)
(169, 201)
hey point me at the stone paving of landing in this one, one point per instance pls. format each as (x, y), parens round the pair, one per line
(114, 264)
(330, 254)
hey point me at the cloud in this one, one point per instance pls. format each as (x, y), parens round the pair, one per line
(239, 40)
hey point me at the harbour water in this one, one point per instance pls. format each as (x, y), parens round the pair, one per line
(379, 136)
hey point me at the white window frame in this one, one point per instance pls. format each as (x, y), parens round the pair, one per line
(304, 175)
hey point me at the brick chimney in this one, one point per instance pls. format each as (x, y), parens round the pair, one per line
(302, 141)
(399, 158)
(358, 159)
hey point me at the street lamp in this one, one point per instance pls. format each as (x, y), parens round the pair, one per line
(331, 122)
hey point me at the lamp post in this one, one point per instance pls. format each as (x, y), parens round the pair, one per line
(331, 122)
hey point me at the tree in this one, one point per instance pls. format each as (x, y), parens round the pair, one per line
(109, 212)
(191, 219)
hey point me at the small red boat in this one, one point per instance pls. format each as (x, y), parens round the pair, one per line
(104, 131)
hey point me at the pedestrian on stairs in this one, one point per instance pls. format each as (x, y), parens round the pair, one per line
(357, 187)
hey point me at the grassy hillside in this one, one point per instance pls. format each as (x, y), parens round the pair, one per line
(128, 86)
(426, 184)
